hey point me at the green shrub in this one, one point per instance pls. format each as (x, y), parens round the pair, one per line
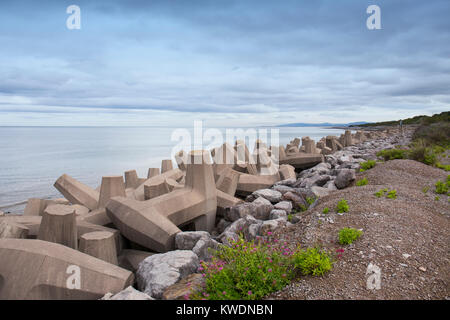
(325, 210)
(348, 235)
(436, 198)
(421, 152)
(310, 200)
(391, 154)
(425, 189)
(245, 271)
(289, 217)
(362, 182)
(342, 206)
(381, 193)
(392, 194)
(369, 164)
(445, 167)
(313, 261)
(441, 187)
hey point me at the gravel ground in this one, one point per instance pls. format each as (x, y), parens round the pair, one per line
(408, 238)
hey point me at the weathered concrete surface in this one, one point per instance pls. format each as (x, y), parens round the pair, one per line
(225, 201)
(59, 225)
(113, 186)
(153, 172)
(129, 258)
(131, 179)
(97, 216)
(302, 161)
(166, 165)
(35, 270)
(12, 230)
(250, 183)
(287, 172)
(99, 244)
(33, 224)
(228, 181)
(139, 193)
(77, 192)
(154, 223)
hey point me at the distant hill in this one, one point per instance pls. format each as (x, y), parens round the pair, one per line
(441, 117)
(323, 124)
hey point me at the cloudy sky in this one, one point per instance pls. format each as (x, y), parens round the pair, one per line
(229, 63)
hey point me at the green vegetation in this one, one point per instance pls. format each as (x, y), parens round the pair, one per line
(430, 141)
(362, 182)
(325, 210)
(441, 187)
(348, 235)
(310, 200)
(425, 189)
(391, 154)
(424, 120)
(381, 193)
(436, 198)
(369, 164)
(313, 261)
(250, 271)
(392, 194)
(342, 206)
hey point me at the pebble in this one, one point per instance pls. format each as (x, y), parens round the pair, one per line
(423, 269)
(406, 256)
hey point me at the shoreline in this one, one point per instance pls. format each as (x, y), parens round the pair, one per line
(20, 205)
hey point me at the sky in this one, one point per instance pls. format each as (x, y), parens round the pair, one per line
(228, 63)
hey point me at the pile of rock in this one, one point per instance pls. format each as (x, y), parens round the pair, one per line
(96, 243)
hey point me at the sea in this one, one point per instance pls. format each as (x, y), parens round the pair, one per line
(32, 158)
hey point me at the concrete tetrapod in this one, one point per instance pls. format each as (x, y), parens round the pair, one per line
(9, 229)
(249, 183)
(166, 165)
(152, 172)
(112, 186)
(302, 160)
(154, 223)
(37, 270)
(99, 244)
(59, 225)
(131, 179)
(139, 193)
(77, 192)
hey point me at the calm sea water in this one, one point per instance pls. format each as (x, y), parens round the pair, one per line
(32, 158)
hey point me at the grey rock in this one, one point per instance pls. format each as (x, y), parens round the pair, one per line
(287, 182)
(271, 225)
(344, 178)
(262, 208)
(271, 195)
(205, 247)
(284, 205)
(222, 225)
(159, 271)
(129, 293)
(187, 240)
(320, 192)
(276, 214)
(282, 189)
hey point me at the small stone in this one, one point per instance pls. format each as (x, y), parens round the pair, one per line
(129, 293)
(271, 195)
(406, 256)
(284, 205)
(423, 269)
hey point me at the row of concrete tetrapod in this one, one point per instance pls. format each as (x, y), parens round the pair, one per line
(89, 233)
